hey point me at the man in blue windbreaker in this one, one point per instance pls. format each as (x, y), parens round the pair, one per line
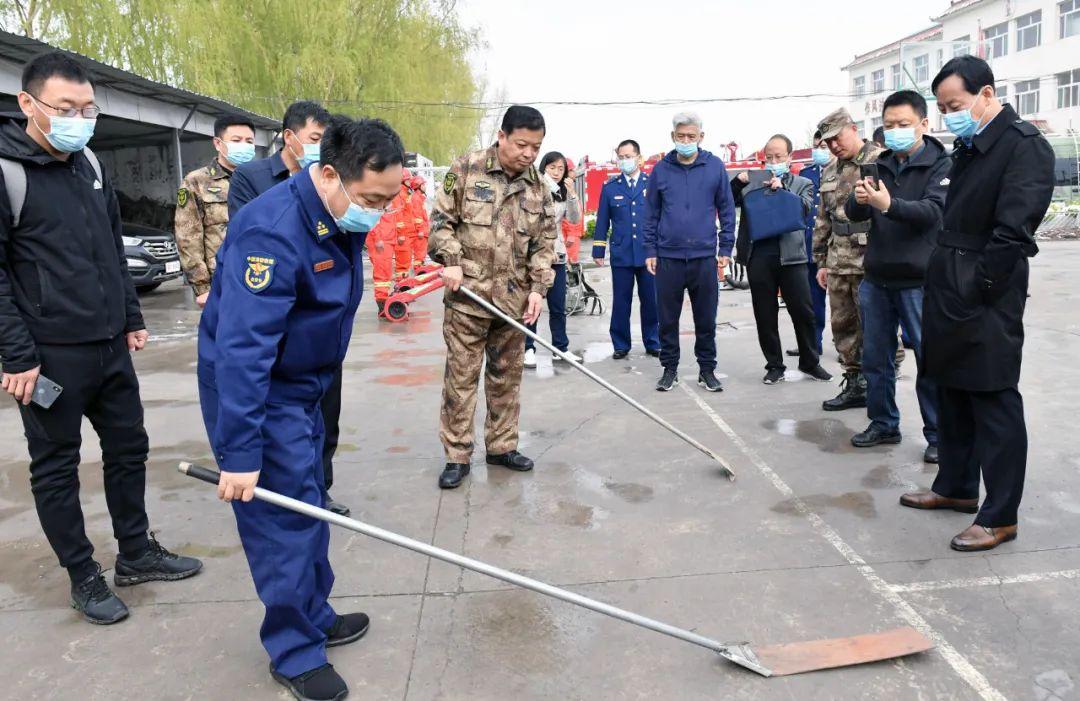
(622, 209)
(277, 324)
(688, 191)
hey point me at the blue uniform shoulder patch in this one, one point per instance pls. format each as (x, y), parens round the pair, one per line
(259, 271)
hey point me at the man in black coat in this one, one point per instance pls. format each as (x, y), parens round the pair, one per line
(1000, 187)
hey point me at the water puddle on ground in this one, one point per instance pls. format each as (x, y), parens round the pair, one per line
(829, 435)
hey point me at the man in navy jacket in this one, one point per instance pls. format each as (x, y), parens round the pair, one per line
(621, 201)
(688, 190)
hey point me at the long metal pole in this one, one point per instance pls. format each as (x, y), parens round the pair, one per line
(597, 379)
(739, 653)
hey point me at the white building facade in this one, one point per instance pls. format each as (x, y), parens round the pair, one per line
(1033, 47)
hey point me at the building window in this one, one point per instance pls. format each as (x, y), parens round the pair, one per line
(896, 76)
(874, 124)
(1001, 91)
(1070, 18)
(877, 81)
(940, 58)
(1068, 89)
(961, 46)
(858, 86)
(997, 38)
(1029, 30)
(921, 66)
(1027, 96)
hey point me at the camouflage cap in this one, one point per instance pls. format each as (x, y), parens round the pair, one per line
(834, 123)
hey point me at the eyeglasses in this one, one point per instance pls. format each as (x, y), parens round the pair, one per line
(90, 112)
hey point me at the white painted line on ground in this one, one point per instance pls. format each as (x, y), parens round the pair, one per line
(985, 581)
(960, 664)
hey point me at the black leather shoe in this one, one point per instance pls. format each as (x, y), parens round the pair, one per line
(653, 352)
(319, 684)
(348, 629)
(452, 475)
(619, 355)
(336, 507)
(157, 565)
(514, 460)
(96, 601)
(668, 381)
(792, 352)
(930, 455)
(818, 373)
(852, 393)
(872, 436)
(708, 380)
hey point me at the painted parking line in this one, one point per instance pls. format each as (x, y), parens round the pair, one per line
(960, 664)
(985, 581)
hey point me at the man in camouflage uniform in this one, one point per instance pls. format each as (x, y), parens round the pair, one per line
(839, 245)
(202, 210)
(494, 230)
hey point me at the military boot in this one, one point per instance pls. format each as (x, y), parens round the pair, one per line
(852, 393)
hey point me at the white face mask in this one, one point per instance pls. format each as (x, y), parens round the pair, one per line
(550, 182)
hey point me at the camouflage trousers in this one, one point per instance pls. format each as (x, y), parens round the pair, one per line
(469, 341)
(844, 319)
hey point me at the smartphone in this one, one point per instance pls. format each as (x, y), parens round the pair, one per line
(759, 178)
(45, 392)
(869, 170)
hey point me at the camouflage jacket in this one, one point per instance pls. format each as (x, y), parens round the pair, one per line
(202, 215)
(839, 244)
(499, 229)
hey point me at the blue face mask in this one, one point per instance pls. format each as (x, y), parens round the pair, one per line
(821, 156)
(900, 139)
(310, 154)
(963, 124)
(69, 134)
(357, 219)
(686, 150)
(239, 152)
(627, 165)
(777, 169)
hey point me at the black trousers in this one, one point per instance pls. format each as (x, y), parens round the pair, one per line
(767, 275)
(982, 431)
(331, 411)
(99, 383)
(674, 277)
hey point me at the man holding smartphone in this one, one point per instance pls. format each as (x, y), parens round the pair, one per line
(903, 203)
(68, 309)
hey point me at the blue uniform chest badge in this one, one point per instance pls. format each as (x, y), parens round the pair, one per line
(259, 271)
(321, 230)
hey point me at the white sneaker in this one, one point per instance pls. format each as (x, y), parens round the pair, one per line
(571, 356)
(530, 358)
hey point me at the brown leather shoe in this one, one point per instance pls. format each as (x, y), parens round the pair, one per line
(982, 538)
(930, 500)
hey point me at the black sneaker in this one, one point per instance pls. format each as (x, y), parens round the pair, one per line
(620, 354)
(852, 393)
(319, 684)
(96, 601)
(453, 474)
(818, 373)
(654, 352)
(336, 507)
(773, 376)
(792, 352)
(668, 381)
(930, 455)
(872, 436)
(157, 565)
(707, 379)
(513, 460)
(348, 629)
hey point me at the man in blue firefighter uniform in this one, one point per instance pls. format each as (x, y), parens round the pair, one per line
(289, 279)
(622, 208)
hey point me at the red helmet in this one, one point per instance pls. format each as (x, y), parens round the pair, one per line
(405, 175)
(417, 182)
(569, 166)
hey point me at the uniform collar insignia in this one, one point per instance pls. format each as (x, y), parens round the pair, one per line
(321, 229)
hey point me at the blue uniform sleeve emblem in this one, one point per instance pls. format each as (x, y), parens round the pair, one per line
(259, 271)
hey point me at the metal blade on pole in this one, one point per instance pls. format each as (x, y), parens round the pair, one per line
(724, 467)
(768, 661)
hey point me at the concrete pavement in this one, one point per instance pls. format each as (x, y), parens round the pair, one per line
(808, 542)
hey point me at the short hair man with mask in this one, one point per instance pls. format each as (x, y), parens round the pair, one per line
(622, 212)
(904, 210)
(275, 330)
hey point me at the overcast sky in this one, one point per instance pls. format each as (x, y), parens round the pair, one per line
(590, 50)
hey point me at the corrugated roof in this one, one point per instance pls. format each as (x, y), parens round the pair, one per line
(21, 49)
(958, 6)
(921, 35)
